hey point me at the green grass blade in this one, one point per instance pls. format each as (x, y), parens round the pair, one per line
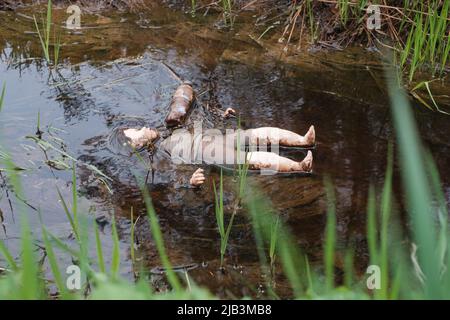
(63, 246)
(157, 236)
(273, 239)
(53, 263)
(8, 256)
(74, 197)
(29, 267)
(68, 215)
(132, 237)
(49, 24)
(442, 210)
(415, 183)
(227, 233)
(385, 213)
(98, 243)
(115, 261)
(30, 271)
(348, 268)
(287, 250)
(330, 235)
(310, 289)
(372, 227)
(41, 40)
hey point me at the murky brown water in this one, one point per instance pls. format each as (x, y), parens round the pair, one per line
(114, 74)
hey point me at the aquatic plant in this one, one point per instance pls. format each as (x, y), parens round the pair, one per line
(220, 219)
(44, 36)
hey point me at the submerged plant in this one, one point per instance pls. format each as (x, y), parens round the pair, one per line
(428, 41)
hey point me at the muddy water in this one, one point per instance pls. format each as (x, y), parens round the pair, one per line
(115, 73)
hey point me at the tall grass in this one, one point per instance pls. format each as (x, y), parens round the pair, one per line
(417, 30)
(420, 30)
(343, 6)
(428, 42)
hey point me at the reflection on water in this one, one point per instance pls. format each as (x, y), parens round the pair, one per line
(115, 75)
